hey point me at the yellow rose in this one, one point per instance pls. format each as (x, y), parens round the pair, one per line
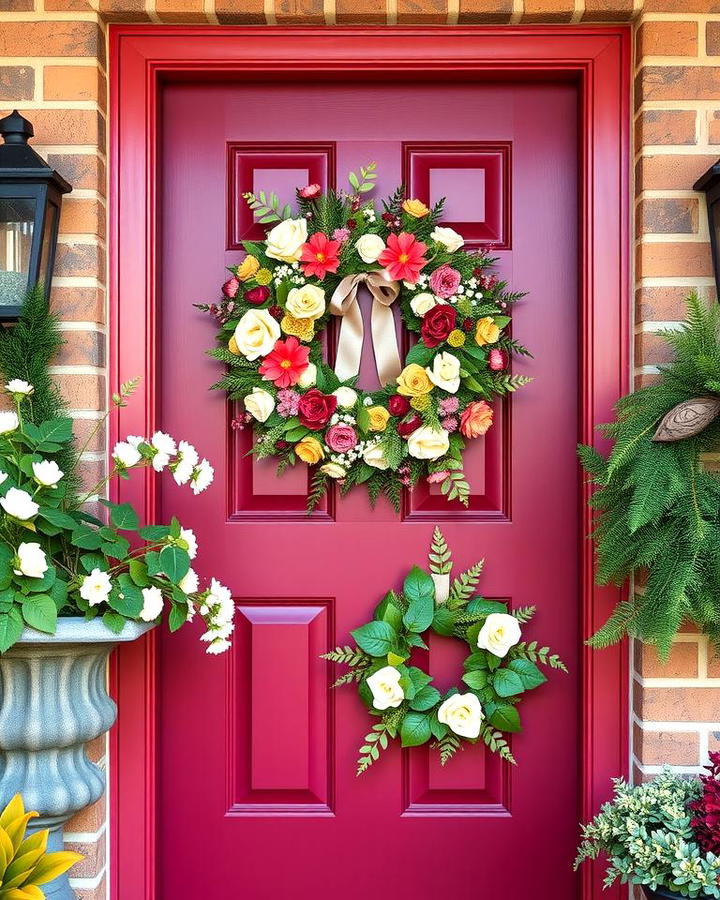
(309, 450)
(247, 268)
(256, 333)
(378, 418)
(415, 208)
(306, 302)
(487, 331)
(233, 346)
(413, 381)
(302, 328)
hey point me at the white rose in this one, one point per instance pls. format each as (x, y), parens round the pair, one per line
(185, 464)
(428, 443)
(47, 472)
(333, 470)
(306, 302)
(256, 333)
(126, 455)
(285, 240)
(152, 604)
(19, 504)
(499, 633)
(308, 377)
(188, 535)
(448, 237)
(8, 422)
(95, 587)
(260, 404)
(219, 645)
(202, 477)
(346, 397)
(369, 247)
(190, 582)
(463, 714)
(385, 687)
(445, 372)
(374, 455)
(421, 303)
(18, 386)
(31, 561)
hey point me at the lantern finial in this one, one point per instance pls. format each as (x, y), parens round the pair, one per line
(16, 129)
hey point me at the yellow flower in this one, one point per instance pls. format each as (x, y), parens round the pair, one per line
(378, 418)
(487, 331)
(233, 346)
(456, 338)
(310, 450)
(415, 208)
(420, 403)
(263, 276)
(302, 328)
(413, 381)
(247, 268)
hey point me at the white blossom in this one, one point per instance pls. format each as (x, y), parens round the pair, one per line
(19, 504)
(18, 386)
(202, 477)
(47, 472)
(190, 582)
(152, 604)
(8, 422)
(188, 535)
(31, 561)
(96, 587)
(186, 462)
(219, 645)
(126, 454)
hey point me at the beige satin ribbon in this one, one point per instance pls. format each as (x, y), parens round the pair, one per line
(344, 303)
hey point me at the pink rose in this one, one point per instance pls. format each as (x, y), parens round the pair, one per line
(497, 360)
(445, 281)
(310, 192)
(341, 438)
(231, 287)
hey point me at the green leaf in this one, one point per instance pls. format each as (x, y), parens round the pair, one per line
(389, 611)
(443, 621)
(124, 517)
(505, 717)
(177, 617)
(414, 640)
(152, 560)
(425, 698)
(481, 606)
(415, 729)
(476, 679)
(174, 562)
(154, 533)
(139, 572)
(59, 592)
(40, 612)
(114, 621)
(57, 517)
(86, 538)
(38, 585)
(375, 638)
(90, 561)
(11, 626)
(130, 603)
(420, 592)
(507, 683)
(529, 673)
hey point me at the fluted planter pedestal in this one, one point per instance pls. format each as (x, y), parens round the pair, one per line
(53, 700)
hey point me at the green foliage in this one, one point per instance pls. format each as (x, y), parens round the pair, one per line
(646, 835)
(656, 510)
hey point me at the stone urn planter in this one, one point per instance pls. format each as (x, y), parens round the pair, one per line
(53, 700)
(664, 894)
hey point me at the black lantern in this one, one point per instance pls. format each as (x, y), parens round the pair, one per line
(30, 199)
(710, 183)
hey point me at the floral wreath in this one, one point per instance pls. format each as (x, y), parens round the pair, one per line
(498, 670)
(280, 298)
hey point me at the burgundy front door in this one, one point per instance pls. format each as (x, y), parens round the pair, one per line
(257, 793)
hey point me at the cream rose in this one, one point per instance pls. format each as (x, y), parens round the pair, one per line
(19, 504)
(385, 687)
(463, 714)
(449, 238)
(374, 455)
(306, 302)
(346, 397)
(422, 303)
(333, 470)
(260, 404)
(256, 333)
(31, 561)
(285, 240)
(308, 377)
(428, 443)
(445, 372)
(499, 633)
(369, 247)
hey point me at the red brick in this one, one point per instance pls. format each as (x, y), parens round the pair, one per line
(665, 126)
(94, 858)
(668, 216)
(52, 38)
(651, 350)
(425, 12)
(67, 126)
(82, 170)
(180, 10)
(670, 171)
(681, 6)
(81, 260)
(714, 127)
(685, 260)
(74, 83)
(682, 662)
(82, 216)
(229, 12)
(77, 304)
(16, 5)
(661, 304)
(82, 348)
(672, 748)
(677, 83)
(712, 38)
(548, 10)
(696, 704)
(667, 39)
(82, 391)
(350, 12)
(17, 82)
(124, 10)
(485, 12)
(89, 820)
(96, 893)
(299, 12)
(87, 432)
(608, 10)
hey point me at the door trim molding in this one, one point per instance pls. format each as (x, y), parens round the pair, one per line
(142, 58)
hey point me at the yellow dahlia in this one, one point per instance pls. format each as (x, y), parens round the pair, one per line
(301, 328)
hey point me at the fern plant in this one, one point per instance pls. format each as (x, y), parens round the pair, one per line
(657, 510)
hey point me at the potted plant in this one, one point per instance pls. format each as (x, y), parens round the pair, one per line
(73, 585)
(663, 835)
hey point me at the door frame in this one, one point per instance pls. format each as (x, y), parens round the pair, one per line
(142, 57)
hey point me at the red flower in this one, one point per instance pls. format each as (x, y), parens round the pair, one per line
(277, 312)
(706, 823)
(497, 360)
(437, 324)
(231, 287)
(403, 257)
(398, 405)
(320, 255)
(315, 409)
(310, 192)
(257, 295)
(285, 363)
(407, 426)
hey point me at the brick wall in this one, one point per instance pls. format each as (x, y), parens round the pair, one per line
(53, 68)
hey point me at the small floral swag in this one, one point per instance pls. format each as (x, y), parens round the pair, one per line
(498, 670)
(277, 305)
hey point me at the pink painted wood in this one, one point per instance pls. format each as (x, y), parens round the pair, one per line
(252, 756)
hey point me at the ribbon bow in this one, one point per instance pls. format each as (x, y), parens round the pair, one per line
(344, 303)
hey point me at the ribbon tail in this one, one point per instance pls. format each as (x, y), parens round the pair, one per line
(442, 588)
(349, 349)
(387, 355)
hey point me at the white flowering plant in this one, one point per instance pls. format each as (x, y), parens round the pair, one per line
(646, 832)
(500, 667)
(56, 559)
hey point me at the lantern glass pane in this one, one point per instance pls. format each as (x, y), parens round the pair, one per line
(47, 244)
(17, 223)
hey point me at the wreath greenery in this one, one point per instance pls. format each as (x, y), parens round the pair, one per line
(278, 302)
(498, 670)
(658, 508)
